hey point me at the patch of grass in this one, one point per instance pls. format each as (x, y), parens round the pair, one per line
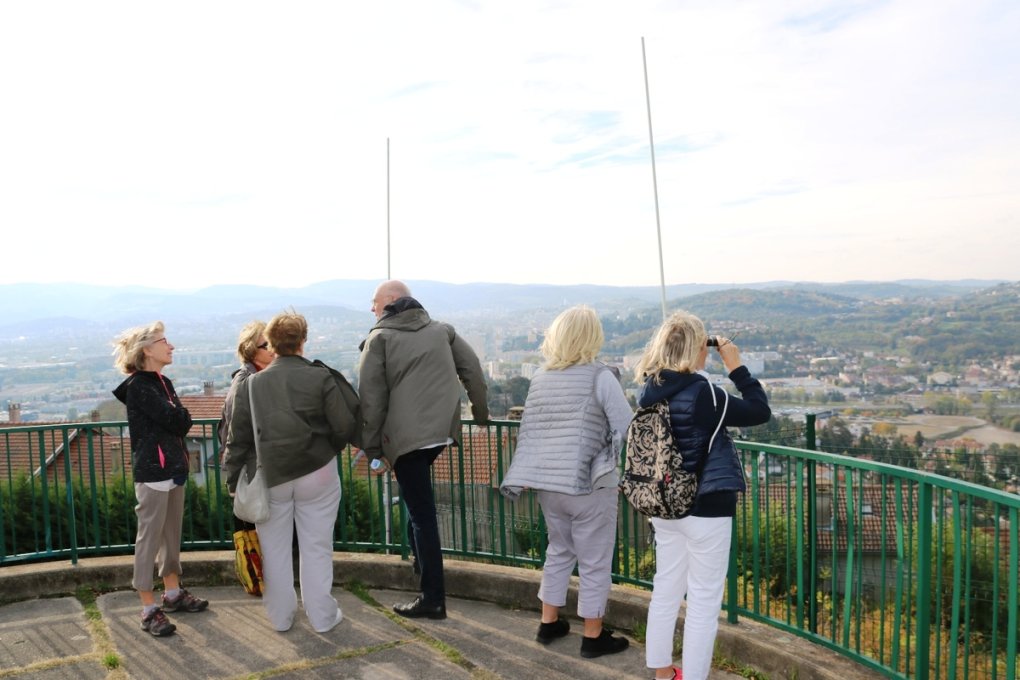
(87, 597)
(722, 663)
(360, 591)
(307, 665)
(104, 646)
(640, 631)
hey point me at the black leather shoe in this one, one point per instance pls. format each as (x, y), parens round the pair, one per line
(419, 609)
(605, 643)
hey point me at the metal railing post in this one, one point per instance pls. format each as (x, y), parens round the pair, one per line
(922, 624)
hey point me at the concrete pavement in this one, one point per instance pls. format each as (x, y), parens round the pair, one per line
(48, 632)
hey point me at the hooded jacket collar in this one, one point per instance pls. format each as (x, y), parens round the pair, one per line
(120, 392)
(404, 314)
(672, 383)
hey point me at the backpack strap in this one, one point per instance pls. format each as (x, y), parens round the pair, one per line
(726, 403)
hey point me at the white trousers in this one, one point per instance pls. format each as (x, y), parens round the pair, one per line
(311, 503)
(691, 558)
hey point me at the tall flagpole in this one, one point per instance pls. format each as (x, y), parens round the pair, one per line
(655, 181)
(387, 491)
(388, 276)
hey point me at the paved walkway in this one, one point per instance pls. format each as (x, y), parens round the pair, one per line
(75, 636)
(54, 638)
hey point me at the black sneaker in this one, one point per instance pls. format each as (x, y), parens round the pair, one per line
(184, 602)
(605, 643)
(547, 632)
(419, 609)
(158, 624)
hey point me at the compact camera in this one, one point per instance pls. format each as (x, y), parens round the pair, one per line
(713, 341)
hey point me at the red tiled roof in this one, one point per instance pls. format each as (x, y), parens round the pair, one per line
(869, 513)
(202, 406)
(22, 452)
(480, 448)
(26, 452)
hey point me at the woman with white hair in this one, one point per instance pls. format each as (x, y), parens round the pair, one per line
(159, 461)
(568, 450)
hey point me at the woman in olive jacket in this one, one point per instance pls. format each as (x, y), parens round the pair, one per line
(157, 422)
(302, 422)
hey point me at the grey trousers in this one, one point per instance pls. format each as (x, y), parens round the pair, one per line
(160, 514)
(582, 531)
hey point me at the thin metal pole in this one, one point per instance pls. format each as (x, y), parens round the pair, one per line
(388, 276)
(387, 490)
(655, 181)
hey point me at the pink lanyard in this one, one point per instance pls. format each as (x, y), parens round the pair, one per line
(165, 388)
(162, 457)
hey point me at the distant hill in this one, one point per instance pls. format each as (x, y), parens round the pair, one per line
(123, 306)
(970, 326)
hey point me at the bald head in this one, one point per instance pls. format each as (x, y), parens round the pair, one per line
(387, 292)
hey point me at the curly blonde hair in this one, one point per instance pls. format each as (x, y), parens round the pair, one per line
(129, 346)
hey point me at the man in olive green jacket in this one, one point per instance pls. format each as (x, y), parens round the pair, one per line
(411, 372)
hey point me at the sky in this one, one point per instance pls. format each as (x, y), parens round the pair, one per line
(187, 144)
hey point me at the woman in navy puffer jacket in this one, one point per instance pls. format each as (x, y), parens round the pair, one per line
(692, 553)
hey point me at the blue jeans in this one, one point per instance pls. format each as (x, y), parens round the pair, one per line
(413, 471)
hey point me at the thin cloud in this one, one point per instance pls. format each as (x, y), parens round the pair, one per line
(777, 127)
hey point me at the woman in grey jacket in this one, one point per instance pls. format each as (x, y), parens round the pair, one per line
(574, 423)
(302, 422)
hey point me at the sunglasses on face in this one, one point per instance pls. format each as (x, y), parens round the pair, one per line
(264, 345)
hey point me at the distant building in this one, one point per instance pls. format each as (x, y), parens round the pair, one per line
(755, 362)
(529, 370)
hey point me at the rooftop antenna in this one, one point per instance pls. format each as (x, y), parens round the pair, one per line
(655, 182)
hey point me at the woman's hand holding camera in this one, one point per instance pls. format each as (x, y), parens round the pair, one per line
(729, 353)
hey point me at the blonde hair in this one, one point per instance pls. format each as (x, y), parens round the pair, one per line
(574, 337)
(676, 346)
(129, 346)
(248, 340)
(286, 333)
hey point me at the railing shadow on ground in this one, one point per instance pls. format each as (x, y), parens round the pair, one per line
(909, 574)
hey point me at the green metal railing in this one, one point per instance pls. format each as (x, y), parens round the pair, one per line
(910, 574)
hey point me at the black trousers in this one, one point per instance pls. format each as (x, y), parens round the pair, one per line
(413, 472)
